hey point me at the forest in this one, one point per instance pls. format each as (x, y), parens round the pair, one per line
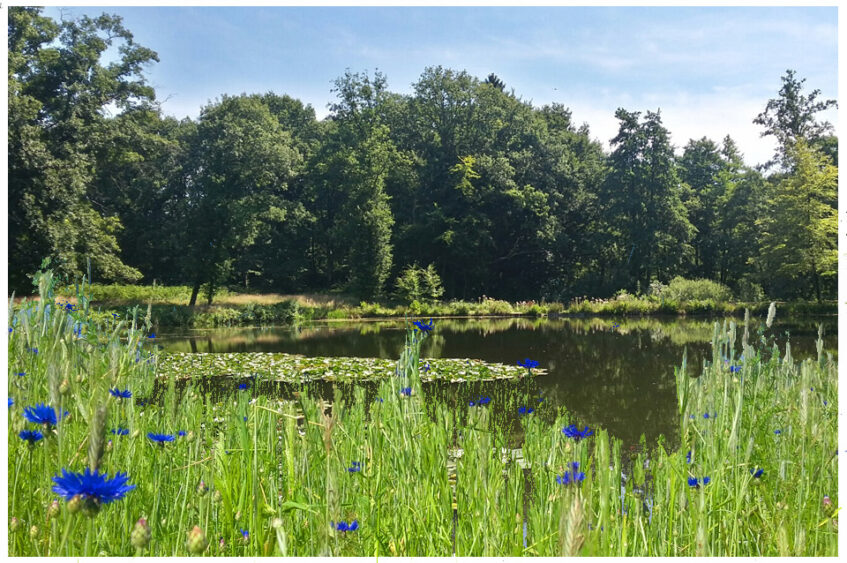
(461, 178)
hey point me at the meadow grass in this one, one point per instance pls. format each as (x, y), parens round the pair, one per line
(253, 475)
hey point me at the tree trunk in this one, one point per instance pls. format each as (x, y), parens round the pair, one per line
(816, 282)
(194, 291)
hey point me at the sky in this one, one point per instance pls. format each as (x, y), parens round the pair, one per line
(709, 70)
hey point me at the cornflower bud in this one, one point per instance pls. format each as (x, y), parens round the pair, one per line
(196, 541)
(53, 509)
(14, 524)
(33, 532)
(141, 534)
(217, 497)
(65, 386)
(75, 504)
(202, 489)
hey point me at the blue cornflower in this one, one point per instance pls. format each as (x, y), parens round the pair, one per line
(244, 534)
(31, 436)
(406, 391)
(571, 476)
(245, 419)
(152, 335)
(33, 350)
(11, 402)
(695, 482)
(688, 457)
(526, 410)
(181, 433)
(355, 467)
(734, 369)
(573, 432)
(691, 416)
(757, 473)
(243, 386)
(20, 373)
(426, 367)
(480, 401)
(125, 394)
(707, 415)
(160, 438)
(528, 364)
(379, 400)
(345, 527)
(96, 487)
(777, 432)
(424, 327)
(42, 414)
(120, 431)
(115, 315)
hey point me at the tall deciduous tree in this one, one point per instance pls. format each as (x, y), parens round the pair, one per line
(59, 91)
(799, 232)
(353, 212)
(791, 117)
(242, 161)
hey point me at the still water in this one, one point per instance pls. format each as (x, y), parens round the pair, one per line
(616, 374)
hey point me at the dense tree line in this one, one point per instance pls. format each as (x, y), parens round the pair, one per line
(461, 177)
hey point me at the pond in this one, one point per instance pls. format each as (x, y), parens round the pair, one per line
(614, 373)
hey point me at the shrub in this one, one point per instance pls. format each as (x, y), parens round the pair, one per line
(750, 291)
(459, 308)
(555, 308)
(681, 289)
(496, 307)
(419, 284)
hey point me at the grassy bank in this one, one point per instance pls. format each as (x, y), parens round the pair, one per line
(258, 476)
(169, 307)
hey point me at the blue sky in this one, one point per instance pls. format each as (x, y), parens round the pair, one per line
(710, 70)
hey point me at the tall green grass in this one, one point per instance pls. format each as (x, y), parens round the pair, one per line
(434, 480)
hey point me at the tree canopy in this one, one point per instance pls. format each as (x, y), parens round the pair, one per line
(496, 196)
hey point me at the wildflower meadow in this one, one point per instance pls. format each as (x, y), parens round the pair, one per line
(101, 465)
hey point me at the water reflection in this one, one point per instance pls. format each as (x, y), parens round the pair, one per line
(614, 373)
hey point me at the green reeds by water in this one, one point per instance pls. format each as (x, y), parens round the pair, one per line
(428, 479)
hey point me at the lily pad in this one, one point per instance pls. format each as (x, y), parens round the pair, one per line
(296, 368)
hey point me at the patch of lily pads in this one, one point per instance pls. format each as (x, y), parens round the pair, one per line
(293, 368)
